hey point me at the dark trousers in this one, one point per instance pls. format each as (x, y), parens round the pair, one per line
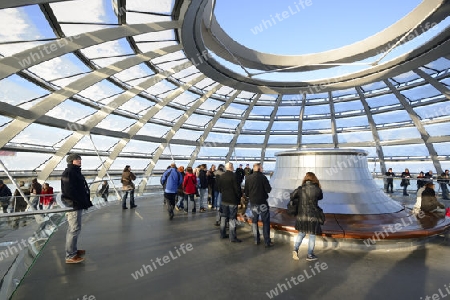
(229, 212)
(170, 200)
(263, 211)
(390, 184)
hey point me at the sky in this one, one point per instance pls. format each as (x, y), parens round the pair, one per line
(307, 26)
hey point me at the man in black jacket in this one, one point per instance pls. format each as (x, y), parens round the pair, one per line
(257, 189)
(76, 194)
(231, 196)
(5, 196)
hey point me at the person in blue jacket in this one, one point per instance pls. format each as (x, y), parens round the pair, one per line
(171, 180)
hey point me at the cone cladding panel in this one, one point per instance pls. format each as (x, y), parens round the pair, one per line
(347, 184)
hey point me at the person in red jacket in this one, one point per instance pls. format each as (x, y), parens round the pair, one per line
(46, 200)
(189, 188)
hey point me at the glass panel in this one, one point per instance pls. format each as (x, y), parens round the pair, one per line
(311, 110)
(255, 125)
(352, 122)
(293, 110)
(161, 7)
(421, 92)
(317, 139)
(250, 139)
(101, 90)
(112, 48)
(432, 111)
(187, 134)
(71, 111)
(285, 126)
(399, 133)
(261, 111)
(153, 130)
(355, 137)
(406, 150)
(213, 151)
(24, 24)
(316, 124)
(219, 138)
(85, 11)
(348, 106)
(383, 100)
(59, 67)
(283, 139)
(34, 133)
(116, 123)
(28, 91)
(441, 129)
(442, 148)
(135, 146)
(198, 120)
(391, 117)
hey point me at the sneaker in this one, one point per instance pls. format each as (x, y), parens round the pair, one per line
(185, 211)
(124, 207)
(133, 206)
(311, 257)
(177, 208)
(202, 209)
(74, 260)
(171, 214)
(81, 252)
(217, 224)
(295, 255)
(236, 241)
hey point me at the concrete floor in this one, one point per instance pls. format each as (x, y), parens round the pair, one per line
(120, 242)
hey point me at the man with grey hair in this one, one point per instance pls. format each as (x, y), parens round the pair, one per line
(257, 189)
(231, 196)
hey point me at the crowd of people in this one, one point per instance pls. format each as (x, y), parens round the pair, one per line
(422, 180)
(41, 196)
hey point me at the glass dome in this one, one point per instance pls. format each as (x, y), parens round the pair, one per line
(145, 83)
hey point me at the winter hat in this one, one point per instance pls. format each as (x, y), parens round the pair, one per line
(71, 157)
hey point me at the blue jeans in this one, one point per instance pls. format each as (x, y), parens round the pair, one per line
(73, 231)
(228, 212)
(263, 211)
(299, 239)
(203, 197)
(124, 198)
(218, 204)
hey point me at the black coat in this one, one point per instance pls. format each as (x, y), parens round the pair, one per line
(307, 198)
(257, 188)
(230, 189)
(74, 188)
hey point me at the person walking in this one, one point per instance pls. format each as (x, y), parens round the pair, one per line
(189, 187)
(172, 179)
(74, 193)
(308, 214)
(257, 189)
(231, 197)
(128, 187)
